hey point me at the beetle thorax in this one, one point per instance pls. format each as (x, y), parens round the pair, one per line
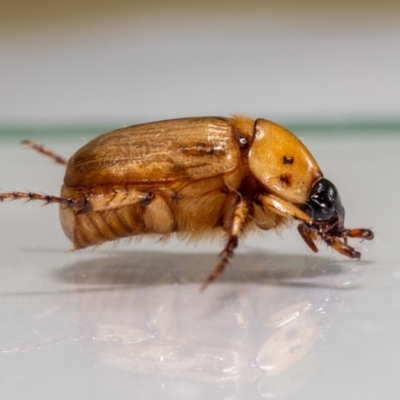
(281, 162)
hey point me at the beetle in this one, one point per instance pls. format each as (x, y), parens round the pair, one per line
(197, 177)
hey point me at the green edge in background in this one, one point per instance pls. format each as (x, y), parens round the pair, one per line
(361, 126)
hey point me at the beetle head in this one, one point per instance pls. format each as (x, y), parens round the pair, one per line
(326, 209)
(324, 206)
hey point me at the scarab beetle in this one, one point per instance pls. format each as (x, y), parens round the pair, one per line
(196, 177)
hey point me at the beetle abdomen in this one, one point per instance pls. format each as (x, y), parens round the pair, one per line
(166, 212)
(94, 228)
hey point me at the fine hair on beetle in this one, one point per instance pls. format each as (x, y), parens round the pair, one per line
(196, 177)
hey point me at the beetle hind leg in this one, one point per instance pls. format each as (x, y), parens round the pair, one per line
(47, 199)
(239, 216)
(46, 151)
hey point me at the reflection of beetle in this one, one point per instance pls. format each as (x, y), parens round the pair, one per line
(197, 176)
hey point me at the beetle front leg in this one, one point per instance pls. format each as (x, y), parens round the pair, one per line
(239, 216)
(341, 247)
(358, 233)
(308, 236)
(284, 208)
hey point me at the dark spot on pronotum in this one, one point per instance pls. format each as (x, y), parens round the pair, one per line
(148, 199)
(285, 179)
(288, 160)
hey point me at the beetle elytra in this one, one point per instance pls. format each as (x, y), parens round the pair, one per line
(196, 177)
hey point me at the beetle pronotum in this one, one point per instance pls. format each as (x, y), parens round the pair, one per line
(196, 177)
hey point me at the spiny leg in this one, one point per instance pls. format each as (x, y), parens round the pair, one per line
(103, 199)
(238, 218)
(46, 151)
(87, 202)
(47, 199)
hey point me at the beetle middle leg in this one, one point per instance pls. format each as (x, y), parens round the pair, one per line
(46, 151)
(239, 216)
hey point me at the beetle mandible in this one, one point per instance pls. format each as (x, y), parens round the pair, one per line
(195, 177)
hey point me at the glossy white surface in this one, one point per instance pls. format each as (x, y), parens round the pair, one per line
(129, 322)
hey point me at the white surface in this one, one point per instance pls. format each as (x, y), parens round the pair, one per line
(130, 322)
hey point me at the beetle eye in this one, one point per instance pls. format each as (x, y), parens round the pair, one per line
(324, 202)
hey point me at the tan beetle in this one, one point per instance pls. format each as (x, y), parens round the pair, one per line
(196, 177)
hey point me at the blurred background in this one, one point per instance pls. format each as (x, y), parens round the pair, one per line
(118, 62)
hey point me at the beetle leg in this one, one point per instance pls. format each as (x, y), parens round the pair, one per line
(114, 198)
(240, 213)
(46, 151)
(305, 233)
(29, 196)
(359, 233)
(341, 247)
(264, 217)
(158, 216)
(88, 202)
(284, 208)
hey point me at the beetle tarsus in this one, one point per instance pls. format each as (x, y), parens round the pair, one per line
(47, 199)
